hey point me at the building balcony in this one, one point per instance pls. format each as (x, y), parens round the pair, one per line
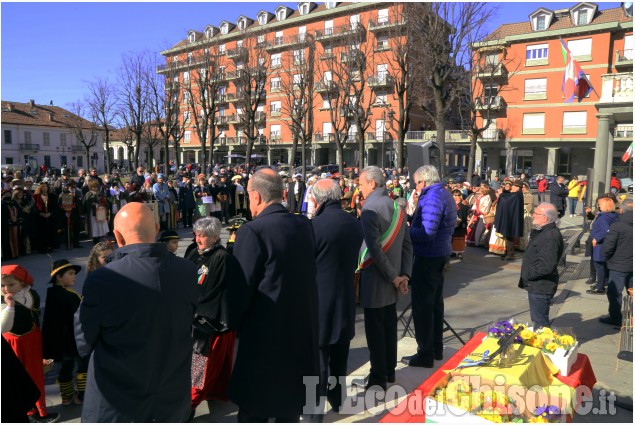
(323, 138)
(233, 97)
(384, 24)
(335, 33)
(237, 53)
(241, 140)
(378, 137)
(275, 113)
(234, 119)
(221, 99)
(623, 131)
(492, 103)
(617, 88)
(78, 148)
(29, 147)
(327, 55)
(260, 116)
(351, 56)
(325, 87)
(219, 77)
(492, 72)
(492, 135)
(282, 43)
(172, 66)
(275, 140)
(381, 48)
(624, 59)
(451, 136)
(382, 81)
(222, 120)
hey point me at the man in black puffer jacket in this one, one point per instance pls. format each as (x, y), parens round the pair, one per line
(539, 271)
(618, 254)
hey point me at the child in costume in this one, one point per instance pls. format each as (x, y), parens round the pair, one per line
(58, 334)
(98, 255)
(20, 322)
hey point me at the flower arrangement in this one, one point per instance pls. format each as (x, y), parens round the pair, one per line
(546, 414)
(550, 340)
(502, 329)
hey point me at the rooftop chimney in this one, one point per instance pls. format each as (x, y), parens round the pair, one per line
(50, 116)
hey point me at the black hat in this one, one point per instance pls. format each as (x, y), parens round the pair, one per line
(61, 265)
(167, 235)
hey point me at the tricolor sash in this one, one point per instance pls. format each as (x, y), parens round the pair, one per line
(386, 239)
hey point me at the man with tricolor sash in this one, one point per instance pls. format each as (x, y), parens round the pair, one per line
(384, 269)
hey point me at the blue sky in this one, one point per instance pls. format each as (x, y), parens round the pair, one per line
(50, 50)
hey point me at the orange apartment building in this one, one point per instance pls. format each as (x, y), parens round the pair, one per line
(286, 43)
(521, 73)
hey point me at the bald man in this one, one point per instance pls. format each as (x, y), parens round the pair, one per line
(135, 323)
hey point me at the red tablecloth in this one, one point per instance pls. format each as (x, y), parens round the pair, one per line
(581, 374)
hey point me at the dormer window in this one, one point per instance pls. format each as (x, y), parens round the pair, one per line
(224, 27)
(243, 23)
(210, 31)
(583, 17)
(304, 8)
(582, 14)
(281, 14)
(263, 17)
(541, 19)
(330, 4)
(191, 37)
(541, 22)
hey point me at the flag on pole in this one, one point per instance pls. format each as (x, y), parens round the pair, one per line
(628, 154)
(575, 83)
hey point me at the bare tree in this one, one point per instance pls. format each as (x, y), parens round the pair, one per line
(101, 102)
(295, 74)
(133, 95)
(444, 32)
(85, 132)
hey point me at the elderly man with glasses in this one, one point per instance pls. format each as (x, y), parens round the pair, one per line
(539, 271)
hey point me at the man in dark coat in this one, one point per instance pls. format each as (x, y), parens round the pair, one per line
(386, 272)
(295, 194)
(509, 220)
(135, 322)
(338, 236)
(618, 254)
(558, 195)
(539, 271)
(138, 179)
(277, 312)
(187, 203)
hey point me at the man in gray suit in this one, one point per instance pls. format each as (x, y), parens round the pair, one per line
(386, 264)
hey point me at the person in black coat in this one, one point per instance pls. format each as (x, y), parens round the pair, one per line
(539, 271)
(187, 203)
(277, 311)
(509, 220)
(618, 254)
(338, 236)
(559, 193)
(135, 322)
(295, 194)
(138, 178)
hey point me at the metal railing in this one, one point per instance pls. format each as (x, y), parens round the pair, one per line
(29, 146)
(384, 80)
(384, 23)
(341, 31)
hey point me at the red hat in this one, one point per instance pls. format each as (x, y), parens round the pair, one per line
(18, 272)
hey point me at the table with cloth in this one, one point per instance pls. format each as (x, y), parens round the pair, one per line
(581, 376)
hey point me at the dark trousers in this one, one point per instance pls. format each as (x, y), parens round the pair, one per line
(186, 216)
(246, 417)
(68, 363)
(333, 361)
(539, 308)
(427, 305)
(617, 282)
(602, 274)
(224, 212)
(381, 338)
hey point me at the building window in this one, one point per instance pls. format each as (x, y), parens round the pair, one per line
(326, 104)
(224, 28)
(62, 139)
(9, 160)
(261, 40)
(354, 20)
(330, 4)
(304, 9)
(191, 37)
(574, 122)
(8, 137)
(274, 132)
(186, 116)
(382, 43)
(541, 22)
(583, 16)
(564, 161)
(221, 49)
(187, 136)
(298, 57)
(276, 60)
(382, 16)
(281, 14)
(275, 108)
(580, 49)
(381, 98)
(537, 54)
(186, 96)
(275, 84)
(534, 123)
(27, 137)
(208, 33)
(262, 18)
(535, 88)
(297, 81)
(47, 161)
(328, 27)
(241, 24)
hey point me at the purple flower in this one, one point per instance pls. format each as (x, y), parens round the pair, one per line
(549, 412)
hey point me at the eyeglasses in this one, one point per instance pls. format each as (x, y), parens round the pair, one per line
(544, 215)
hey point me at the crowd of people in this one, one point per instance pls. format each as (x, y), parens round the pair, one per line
(153, 335)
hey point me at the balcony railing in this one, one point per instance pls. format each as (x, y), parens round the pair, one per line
(233, 119)
(381, 81)
(221, 98)
(378, 137)
(384, 24)
(490, 70)
(574, 129)
(29, 147)
(384, 47)
(222, 120)
(260, 116)
(219, 77)
(241, 140)
(451, 136)
(237, 53)
(205, 60)
(325, 86)
(617, 88)
(492, 134)
(275, 113)
(327, 54)
(494, 103)
(323, 138)
(329, 34)
(78, 148)
(351, 56)
(275, 139)
(280, 43)
(624, 58)
(623, 131)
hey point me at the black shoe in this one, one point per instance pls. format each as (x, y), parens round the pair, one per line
(590, 281)
(504, 257)
(374, 383)
(438, 356)
(608, 321)
(596, 291)
(417, 361)
(191, 418)
(390, 378)
(49, 418)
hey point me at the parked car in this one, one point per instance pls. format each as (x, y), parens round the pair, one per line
(534, 185)
(456, 177)
(627, 184)
(330, 168)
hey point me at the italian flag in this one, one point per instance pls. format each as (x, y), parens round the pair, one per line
(575, 83)
(628, 154)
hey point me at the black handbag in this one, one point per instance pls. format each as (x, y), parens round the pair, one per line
(203, 330)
